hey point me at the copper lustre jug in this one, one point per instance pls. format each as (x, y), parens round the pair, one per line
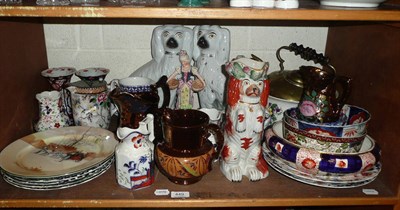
(324, 94)
(136, 97)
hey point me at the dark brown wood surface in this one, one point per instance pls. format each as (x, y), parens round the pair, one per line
(370, 54)
(22, 57)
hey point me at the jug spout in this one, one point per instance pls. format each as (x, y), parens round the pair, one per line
(131, 110)
(315, 77)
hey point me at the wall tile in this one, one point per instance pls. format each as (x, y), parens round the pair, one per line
(124, 48)
(239, 37)
(271, 38)
(60, 36)
(127, 36)
(91, 37)
(59, 58)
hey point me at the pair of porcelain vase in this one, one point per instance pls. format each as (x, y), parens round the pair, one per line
(83, 103)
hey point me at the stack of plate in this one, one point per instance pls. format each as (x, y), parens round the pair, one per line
(318, 168)
(58, 158)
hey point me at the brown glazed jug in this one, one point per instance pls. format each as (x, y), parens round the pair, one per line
(324, 94)
(139, 97)
(185, 154)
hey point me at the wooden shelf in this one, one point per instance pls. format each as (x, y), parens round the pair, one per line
(358, 59)
(214, 190)
(218, 9)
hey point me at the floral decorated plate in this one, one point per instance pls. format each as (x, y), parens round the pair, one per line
(58, 152)
(313, 161)
(61, 183)
(284, 169)
(326, 178)
(58, 180)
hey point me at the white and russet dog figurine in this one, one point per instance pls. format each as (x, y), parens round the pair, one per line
(166, 43)
(210, 52)
(247, 97)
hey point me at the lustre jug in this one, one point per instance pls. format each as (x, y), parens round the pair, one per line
(324, 94)
(185, 153)
(247, 98)
(50, 111)
(134, 157)
(136, 97)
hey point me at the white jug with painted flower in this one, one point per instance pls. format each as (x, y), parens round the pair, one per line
(134, 155)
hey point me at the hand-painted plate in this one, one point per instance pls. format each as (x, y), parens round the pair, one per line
(328, 181)
(72, 181)
(58, 152)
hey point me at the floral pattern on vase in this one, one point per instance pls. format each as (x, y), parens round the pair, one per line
(91, 109)
(50, 111)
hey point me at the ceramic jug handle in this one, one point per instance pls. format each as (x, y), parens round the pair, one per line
(113, 84)
(162, 83)
(345, 83)
(216, 131)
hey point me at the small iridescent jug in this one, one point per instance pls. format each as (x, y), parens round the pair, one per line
(321, 100)
(134, 155)
(50, 114)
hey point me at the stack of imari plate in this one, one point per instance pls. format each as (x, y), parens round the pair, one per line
(58, 158)
(309, 166)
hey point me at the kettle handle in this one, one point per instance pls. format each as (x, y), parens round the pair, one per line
(307, 53)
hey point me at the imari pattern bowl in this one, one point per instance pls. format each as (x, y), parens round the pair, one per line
(321, 142)
(353, 123)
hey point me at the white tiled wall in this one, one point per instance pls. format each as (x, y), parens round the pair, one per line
(124, 48)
